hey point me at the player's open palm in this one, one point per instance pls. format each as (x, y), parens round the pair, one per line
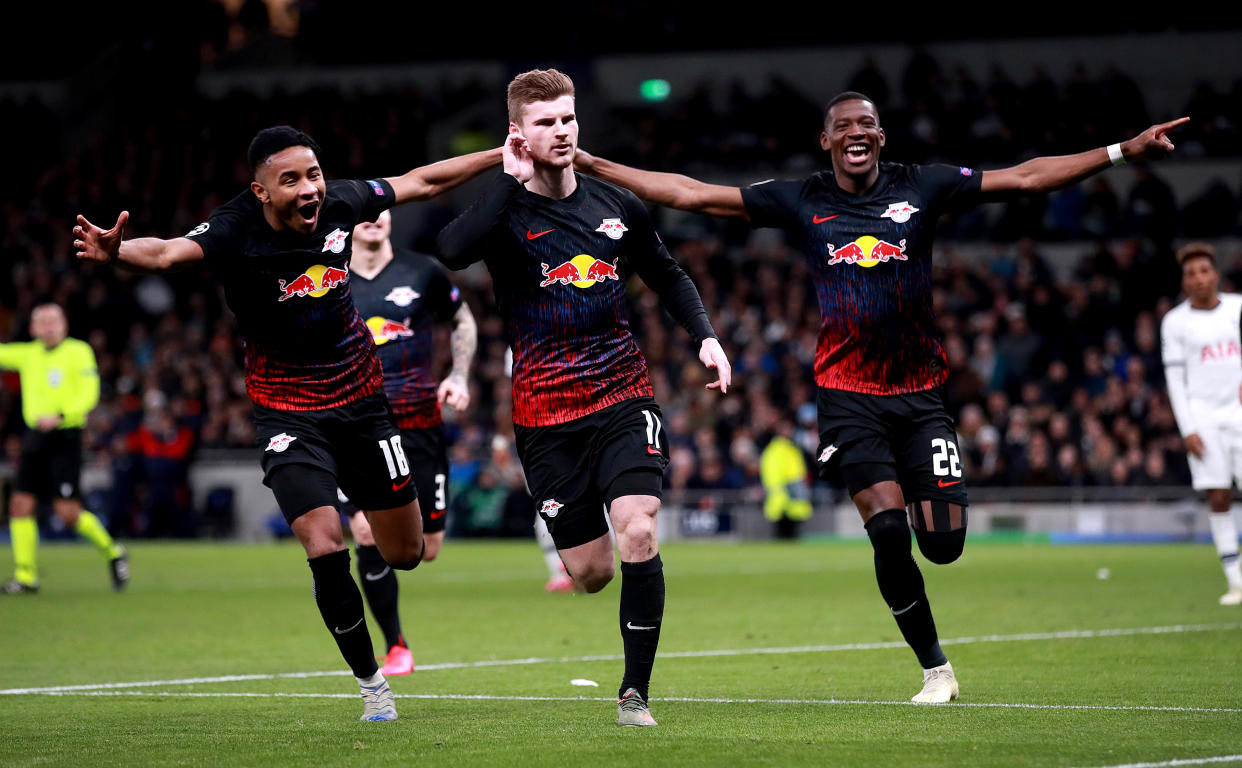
(95, 244)
(712, 355)
(518, 162)
(1153, 142)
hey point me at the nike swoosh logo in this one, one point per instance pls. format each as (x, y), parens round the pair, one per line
(630, 625)
(376, 576)
(653, 451)
(404, 483)
(911, 605)
(532, 235)
(351, 629)
(943, 484)
(438, 514)
(822, 219)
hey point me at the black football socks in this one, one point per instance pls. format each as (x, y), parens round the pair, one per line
(901, 585)
(340, 604)
(379, 584)
(642, 611)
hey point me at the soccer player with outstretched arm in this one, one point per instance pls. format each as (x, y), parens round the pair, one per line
(866, 230)
(281, 249)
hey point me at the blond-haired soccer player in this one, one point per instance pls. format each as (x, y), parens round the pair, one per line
(60, 386)
(561, 249)
(1202, 349)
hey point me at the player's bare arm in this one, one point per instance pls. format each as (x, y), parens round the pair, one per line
(669, 189)
(1045, 174)
(142, 254)
(428, 181)
(455, 389)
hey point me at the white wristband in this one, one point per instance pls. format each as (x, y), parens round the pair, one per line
(1114, 154)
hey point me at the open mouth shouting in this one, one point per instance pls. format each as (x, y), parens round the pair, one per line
(309, 213)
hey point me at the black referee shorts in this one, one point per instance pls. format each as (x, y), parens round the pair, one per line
(50, 465)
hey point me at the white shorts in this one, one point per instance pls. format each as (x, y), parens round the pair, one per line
(1222, 458)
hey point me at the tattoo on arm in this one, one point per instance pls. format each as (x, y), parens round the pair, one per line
(463, 341)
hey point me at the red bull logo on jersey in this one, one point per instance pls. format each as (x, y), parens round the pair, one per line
(550, 507)
(899, 212)
(866, 251)
(384, 330)
(315, 282)
(613, 228)
(582, 271)
(335, 241)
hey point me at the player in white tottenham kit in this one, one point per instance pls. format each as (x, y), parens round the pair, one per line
(1202, 349)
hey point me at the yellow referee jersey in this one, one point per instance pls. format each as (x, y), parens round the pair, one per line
(60, 381)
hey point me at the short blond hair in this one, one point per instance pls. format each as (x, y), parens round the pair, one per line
(1196, 251)
(537, 85)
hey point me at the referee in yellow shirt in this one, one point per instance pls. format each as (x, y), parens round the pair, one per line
(60, 385)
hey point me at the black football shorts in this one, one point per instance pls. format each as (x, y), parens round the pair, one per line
(357, 443)
(426, 449)
(574, 470)
(50, 465)
(909, 439)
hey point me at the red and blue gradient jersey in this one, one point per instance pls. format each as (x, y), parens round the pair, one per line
(559, 270)
(401, 306)
(870, 256)
(306, 347)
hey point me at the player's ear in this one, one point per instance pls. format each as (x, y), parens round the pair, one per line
(823, 140)
(881, 137)
(260, 192)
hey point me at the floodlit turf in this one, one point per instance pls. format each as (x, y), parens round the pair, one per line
(209, 611)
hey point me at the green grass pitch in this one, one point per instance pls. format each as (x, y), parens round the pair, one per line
(808, 670)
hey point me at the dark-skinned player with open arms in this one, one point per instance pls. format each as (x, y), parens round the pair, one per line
(866, 230)
(281, 250)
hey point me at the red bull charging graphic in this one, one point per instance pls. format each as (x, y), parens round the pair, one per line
(384, 330)
(315, 282)
(866, 251)
(582, 271)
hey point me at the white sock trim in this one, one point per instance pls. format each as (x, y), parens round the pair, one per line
(370, 682)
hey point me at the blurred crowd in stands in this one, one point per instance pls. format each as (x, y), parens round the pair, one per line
(1056, 374)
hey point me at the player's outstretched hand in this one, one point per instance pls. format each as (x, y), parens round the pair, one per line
(455, 392)
(1153, 142)
(95, 244)
(516, 155)
(713, 356)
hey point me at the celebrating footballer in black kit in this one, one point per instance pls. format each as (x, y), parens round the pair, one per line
(281, 250)
(560, 249)
(402, 296)
(866, 231)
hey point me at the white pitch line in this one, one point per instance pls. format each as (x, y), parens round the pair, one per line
(1185, 761)
(1072, 634)
(679, 699)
